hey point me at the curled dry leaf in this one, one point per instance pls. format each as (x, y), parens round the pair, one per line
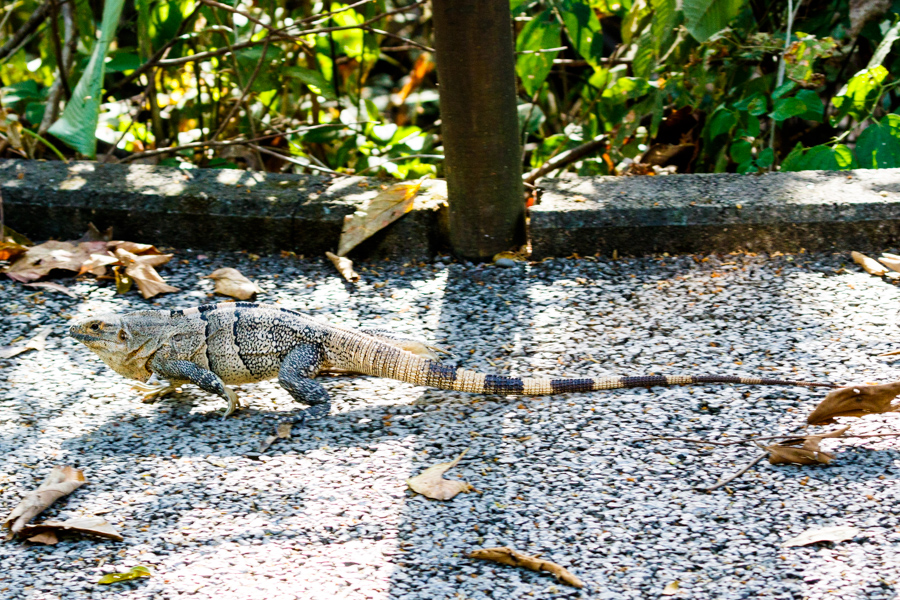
(132, 573)
(12, 244)
(856, 401)
(61, 481)
(344, 266)
(50, 285)
(891, 261)
(141, 269)
(96, 264)
(803, 450)
(376, 214)
(39, 260)
(827, 534)
(38, 342)
(282, 431)
(514, 558)
(869, 265)
(431, 483)
(48, 531)
(230, 282)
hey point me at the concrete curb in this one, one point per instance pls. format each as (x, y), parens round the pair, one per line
(815, 210)
(242, 210)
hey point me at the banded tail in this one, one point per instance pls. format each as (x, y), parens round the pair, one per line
(374, 357)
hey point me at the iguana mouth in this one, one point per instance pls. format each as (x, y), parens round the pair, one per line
(83, 337)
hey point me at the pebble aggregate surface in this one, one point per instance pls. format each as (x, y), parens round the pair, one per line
(327, 514)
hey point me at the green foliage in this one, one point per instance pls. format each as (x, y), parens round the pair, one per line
(705, 18)
(534, 63)
(878, 146)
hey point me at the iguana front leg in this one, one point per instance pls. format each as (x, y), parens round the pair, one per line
(154, 389)
(183, 370)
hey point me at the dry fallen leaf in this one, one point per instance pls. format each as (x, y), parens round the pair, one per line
(855, 401)
(431, 484)
(133, 247)
(39, 260)
(48, 531)
(869, 265)
(12, 244)
(514, 558)
(808, 452)
(282, 431)
(377, 213)
(140, 269)
(61, 481)
(38, 342)
(132, 573)
(891, 261)
(95, 235)
(96, 264)
(50, 285)
(827, 534)
(230, 282)
(344, 266)
(671, 588)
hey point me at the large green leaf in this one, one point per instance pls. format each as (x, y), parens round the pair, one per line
(878, 146)
(858, 95)
(819, 158)
(662, 26)
(705, 18)
(78, 125)
(583, 28)
(540, 33)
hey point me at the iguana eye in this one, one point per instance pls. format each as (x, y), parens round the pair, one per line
(95, 326)
(122, 335)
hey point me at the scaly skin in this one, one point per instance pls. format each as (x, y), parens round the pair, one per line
(217, 345)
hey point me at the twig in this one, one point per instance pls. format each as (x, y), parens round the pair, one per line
(291, 159)
(51, 112)
(399, 158)
(214, 144)
(727, 480)
(245, 91)
(566, 158)
(33, 22)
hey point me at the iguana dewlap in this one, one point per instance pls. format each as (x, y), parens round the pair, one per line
(215, 345)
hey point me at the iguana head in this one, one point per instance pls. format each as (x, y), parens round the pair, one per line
(117, 342)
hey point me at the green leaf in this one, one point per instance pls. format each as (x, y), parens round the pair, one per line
(784, 88)
(819, 158)
(878, 146)
(705, 18)
(858, 94)
(662, 25)
(756, 104)
(800, 59)
(766, 158)
(311, 78)
(787, 108)
(722, 122)
(741, 151)
(78, 124)
(132, 573)
(530, 118)
(884, 47)
(123, 61)
(21, 92)
(746, 167)
(539, 33)
(635, 20)
(815, 110)
(584, 29)
(644, 59)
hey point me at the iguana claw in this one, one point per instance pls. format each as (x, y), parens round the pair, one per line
(233, 403)
(153, 391)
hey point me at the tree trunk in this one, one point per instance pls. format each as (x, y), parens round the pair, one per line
(479, 125)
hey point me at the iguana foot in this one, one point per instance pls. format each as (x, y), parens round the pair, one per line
(233, 403)
(152, 392)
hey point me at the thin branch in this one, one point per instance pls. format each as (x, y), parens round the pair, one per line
(398, 159)
(214, 144)
(245, 91)
(727, 480)
(33, 22)
(296, 161)
(51, 110)
(566, 158)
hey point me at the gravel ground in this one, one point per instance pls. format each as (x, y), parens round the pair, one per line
(327, 515)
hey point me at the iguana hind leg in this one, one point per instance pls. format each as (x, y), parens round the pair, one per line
(296, 376)
(206, 380)
(410, 344)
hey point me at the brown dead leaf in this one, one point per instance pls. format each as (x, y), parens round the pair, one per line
(39, 260)
(423, 65)
(376, 214)
(826, 534)
(869, 265)
(95, 235)
(671, 588)
(48, 532)
(12, 244)
(50, 285)
(803, 450)
(282, 431)
(230, 282)
(891, 261)
(140, 269)
(514, 558)
(344, 266)
(38, 342)
(96, 264)
(431, 483)
(61, 481)
(856, 401)
(133, 247)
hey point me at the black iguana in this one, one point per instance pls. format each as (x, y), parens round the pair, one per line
(215, 345)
